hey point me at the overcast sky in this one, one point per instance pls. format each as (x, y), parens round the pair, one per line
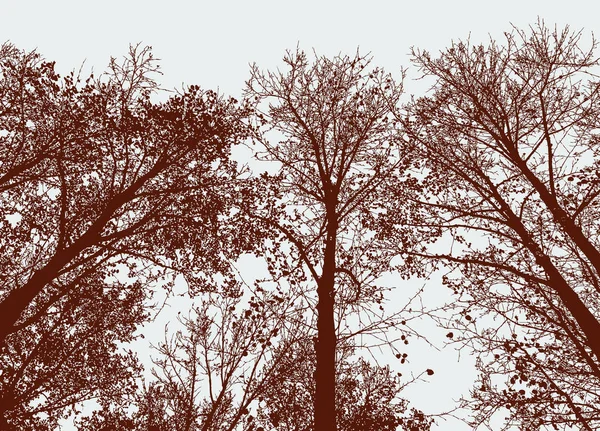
(212, 43)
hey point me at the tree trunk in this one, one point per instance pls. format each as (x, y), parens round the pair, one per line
(587, 322)
(17, 301)
(4, 425)
(561, 217)
(325, 419)
(580, 312)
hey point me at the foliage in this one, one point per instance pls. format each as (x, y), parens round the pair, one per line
(232, 368)
(103, 194)
(208, 374)
(107, 195)
(368, 396)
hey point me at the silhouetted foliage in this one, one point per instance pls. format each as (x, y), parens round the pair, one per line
(209, 374)
(107, 195)
(104, 194)
(230, 370)
(508, 143)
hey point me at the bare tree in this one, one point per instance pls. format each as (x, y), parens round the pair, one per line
(508, 173)
(337, 150)
(368, 396)
(209, 374)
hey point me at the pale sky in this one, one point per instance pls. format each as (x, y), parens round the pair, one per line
(212, 43)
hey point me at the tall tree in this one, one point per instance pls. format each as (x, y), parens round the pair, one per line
(508, 141)
(98, 184)
(235, 368)
(336, 152)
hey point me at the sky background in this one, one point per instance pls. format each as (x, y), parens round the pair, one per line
(212, 44)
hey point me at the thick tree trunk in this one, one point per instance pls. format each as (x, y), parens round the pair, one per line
(588, 323)
(580, 312)
(583, 316)
(17, 301)
(561, 217)
(7, 403)
(4, 423)
(325, 419)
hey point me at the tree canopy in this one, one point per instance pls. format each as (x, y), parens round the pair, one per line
(508, 140)
(104, 193)
(112, 197)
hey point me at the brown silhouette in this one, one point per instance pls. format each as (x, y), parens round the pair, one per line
(508, 136)
(107, 195)
(368, 397)
(207, 374)
(234, 368)
(336, 154)
(99, 184)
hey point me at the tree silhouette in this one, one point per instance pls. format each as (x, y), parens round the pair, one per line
(71, 354)
(209, 374)
(368, 396)
(338, 149)
(508, 144)
(104, 193)
(107, 195)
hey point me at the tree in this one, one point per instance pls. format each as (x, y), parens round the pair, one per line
(232, 367)
(338, 150)
(368, 396)
(209, 374)
(508, 172)
(104, 194)
(71, 354)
